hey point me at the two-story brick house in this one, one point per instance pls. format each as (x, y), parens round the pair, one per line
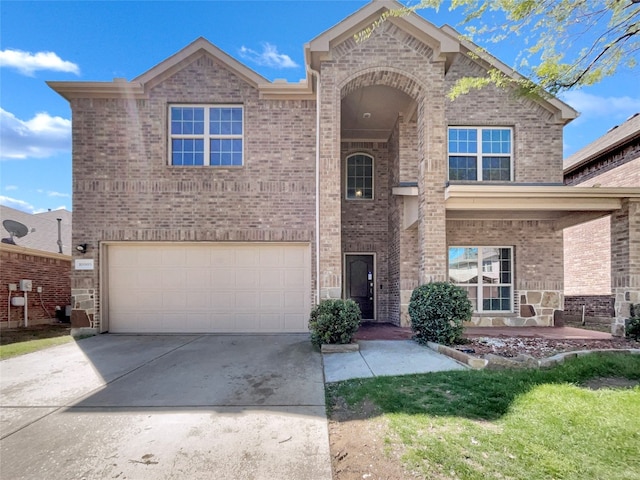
(214, 200)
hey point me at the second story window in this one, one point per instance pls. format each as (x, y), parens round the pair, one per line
(359, 177)
(206, 135)
(480, 154)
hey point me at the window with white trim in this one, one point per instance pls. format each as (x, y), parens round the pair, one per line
(209, 135)
(480, 153)
(486, 273)
(359, 177)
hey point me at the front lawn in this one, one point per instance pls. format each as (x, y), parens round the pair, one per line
(512, 424)
(18, 341)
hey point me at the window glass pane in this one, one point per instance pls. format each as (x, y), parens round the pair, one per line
(360, 177)
(462, 140)
(463, 168)
(496, 168)
(463, 265)
(496, 140)
(186, 120)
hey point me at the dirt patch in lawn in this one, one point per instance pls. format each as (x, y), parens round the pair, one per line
(610, 382)
(361, 444)
(36, 332)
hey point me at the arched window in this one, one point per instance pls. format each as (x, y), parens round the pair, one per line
(359, 177)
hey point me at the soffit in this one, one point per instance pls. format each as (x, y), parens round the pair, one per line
(566, 206)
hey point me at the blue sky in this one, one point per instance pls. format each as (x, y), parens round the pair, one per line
(102, 40)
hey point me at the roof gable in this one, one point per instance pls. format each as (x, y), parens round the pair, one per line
(318, 48)
(179, 60)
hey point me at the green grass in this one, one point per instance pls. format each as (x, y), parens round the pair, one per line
(512, 424)
(30, 346)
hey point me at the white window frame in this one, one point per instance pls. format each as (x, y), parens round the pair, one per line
(346, 177)
(480, 269)
(206, 136)
(479, 154)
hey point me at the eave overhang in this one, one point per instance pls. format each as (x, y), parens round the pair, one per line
(563, 205)
(139, 87)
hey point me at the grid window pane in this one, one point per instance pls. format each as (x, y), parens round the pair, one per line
(463, 168)
(187, 152)
(496, 168)
(492, 286)
(187, 120)
(474, 148)
(463, 140)
(360, 177)
(206, 135)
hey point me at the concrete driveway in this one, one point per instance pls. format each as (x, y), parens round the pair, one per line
(166, 407)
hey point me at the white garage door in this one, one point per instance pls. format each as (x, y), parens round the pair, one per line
(212, 288)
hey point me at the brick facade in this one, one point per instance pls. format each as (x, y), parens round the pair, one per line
(601, 255)
(50, 271)
(125, 189)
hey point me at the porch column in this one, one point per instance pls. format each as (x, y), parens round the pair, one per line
(330, 213)
(625, 261)
(432, 141)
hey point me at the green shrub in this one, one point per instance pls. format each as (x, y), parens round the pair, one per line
(632, 325)
(437, 311)
(334, 321)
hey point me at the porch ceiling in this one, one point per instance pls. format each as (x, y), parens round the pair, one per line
(370, 113)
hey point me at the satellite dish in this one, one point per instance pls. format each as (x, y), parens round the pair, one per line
(15, 229)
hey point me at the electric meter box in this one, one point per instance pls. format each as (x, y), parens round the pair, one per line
(26, 285)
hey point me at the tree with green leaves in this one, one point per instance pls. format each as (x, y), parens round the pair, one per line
(567, 43)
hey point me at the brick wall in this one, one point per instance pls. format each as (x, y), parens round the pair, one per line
(600, 306)
(537, 136)
(125, 190)
(587, 246)
(365, 223)
(50, 271)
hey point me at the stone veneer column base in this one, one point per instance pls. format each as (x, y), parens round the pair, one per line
(84, 300)
(624, 297)
(537, 308)
(330, 293)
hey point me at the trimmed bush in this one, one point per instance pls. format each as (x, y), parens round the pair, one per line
(437, 311)
(334, 321)
(632, 325)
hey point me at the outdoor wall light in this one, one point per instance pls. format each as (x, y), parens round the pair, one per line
(81, 247)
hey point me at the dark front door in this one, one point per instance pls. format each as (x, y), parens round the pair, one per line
(359, 283)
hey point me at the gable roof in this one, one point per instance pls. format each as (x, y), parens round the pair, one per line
(615, 137)
(445, 42)
(139, 86)
(425, 31)
(43, 229)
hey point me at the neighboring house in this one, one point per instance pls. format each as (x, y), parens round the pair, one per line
(42, 255)
(214, 200)
(611, 161)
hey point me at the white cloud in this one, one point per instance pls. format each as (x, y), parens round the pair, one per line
(27, 63)
(40, 137)
(592, 106)
(269, 57)
(58, 194)
(17, 204)
(11, 187)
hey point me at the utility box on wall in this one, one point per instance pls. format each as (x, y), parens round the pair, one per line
(26, 285)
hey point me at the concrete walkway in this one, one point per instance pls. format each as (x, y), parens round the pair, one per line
(385, 357)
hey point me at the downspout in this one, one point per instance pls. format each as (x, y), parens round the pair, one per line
(59, 235)
(316, 74)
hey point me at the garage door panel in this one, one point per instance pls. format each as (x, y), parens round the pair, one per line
(223, 278)
(271, 278)
(189, 287)
(245, 278)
